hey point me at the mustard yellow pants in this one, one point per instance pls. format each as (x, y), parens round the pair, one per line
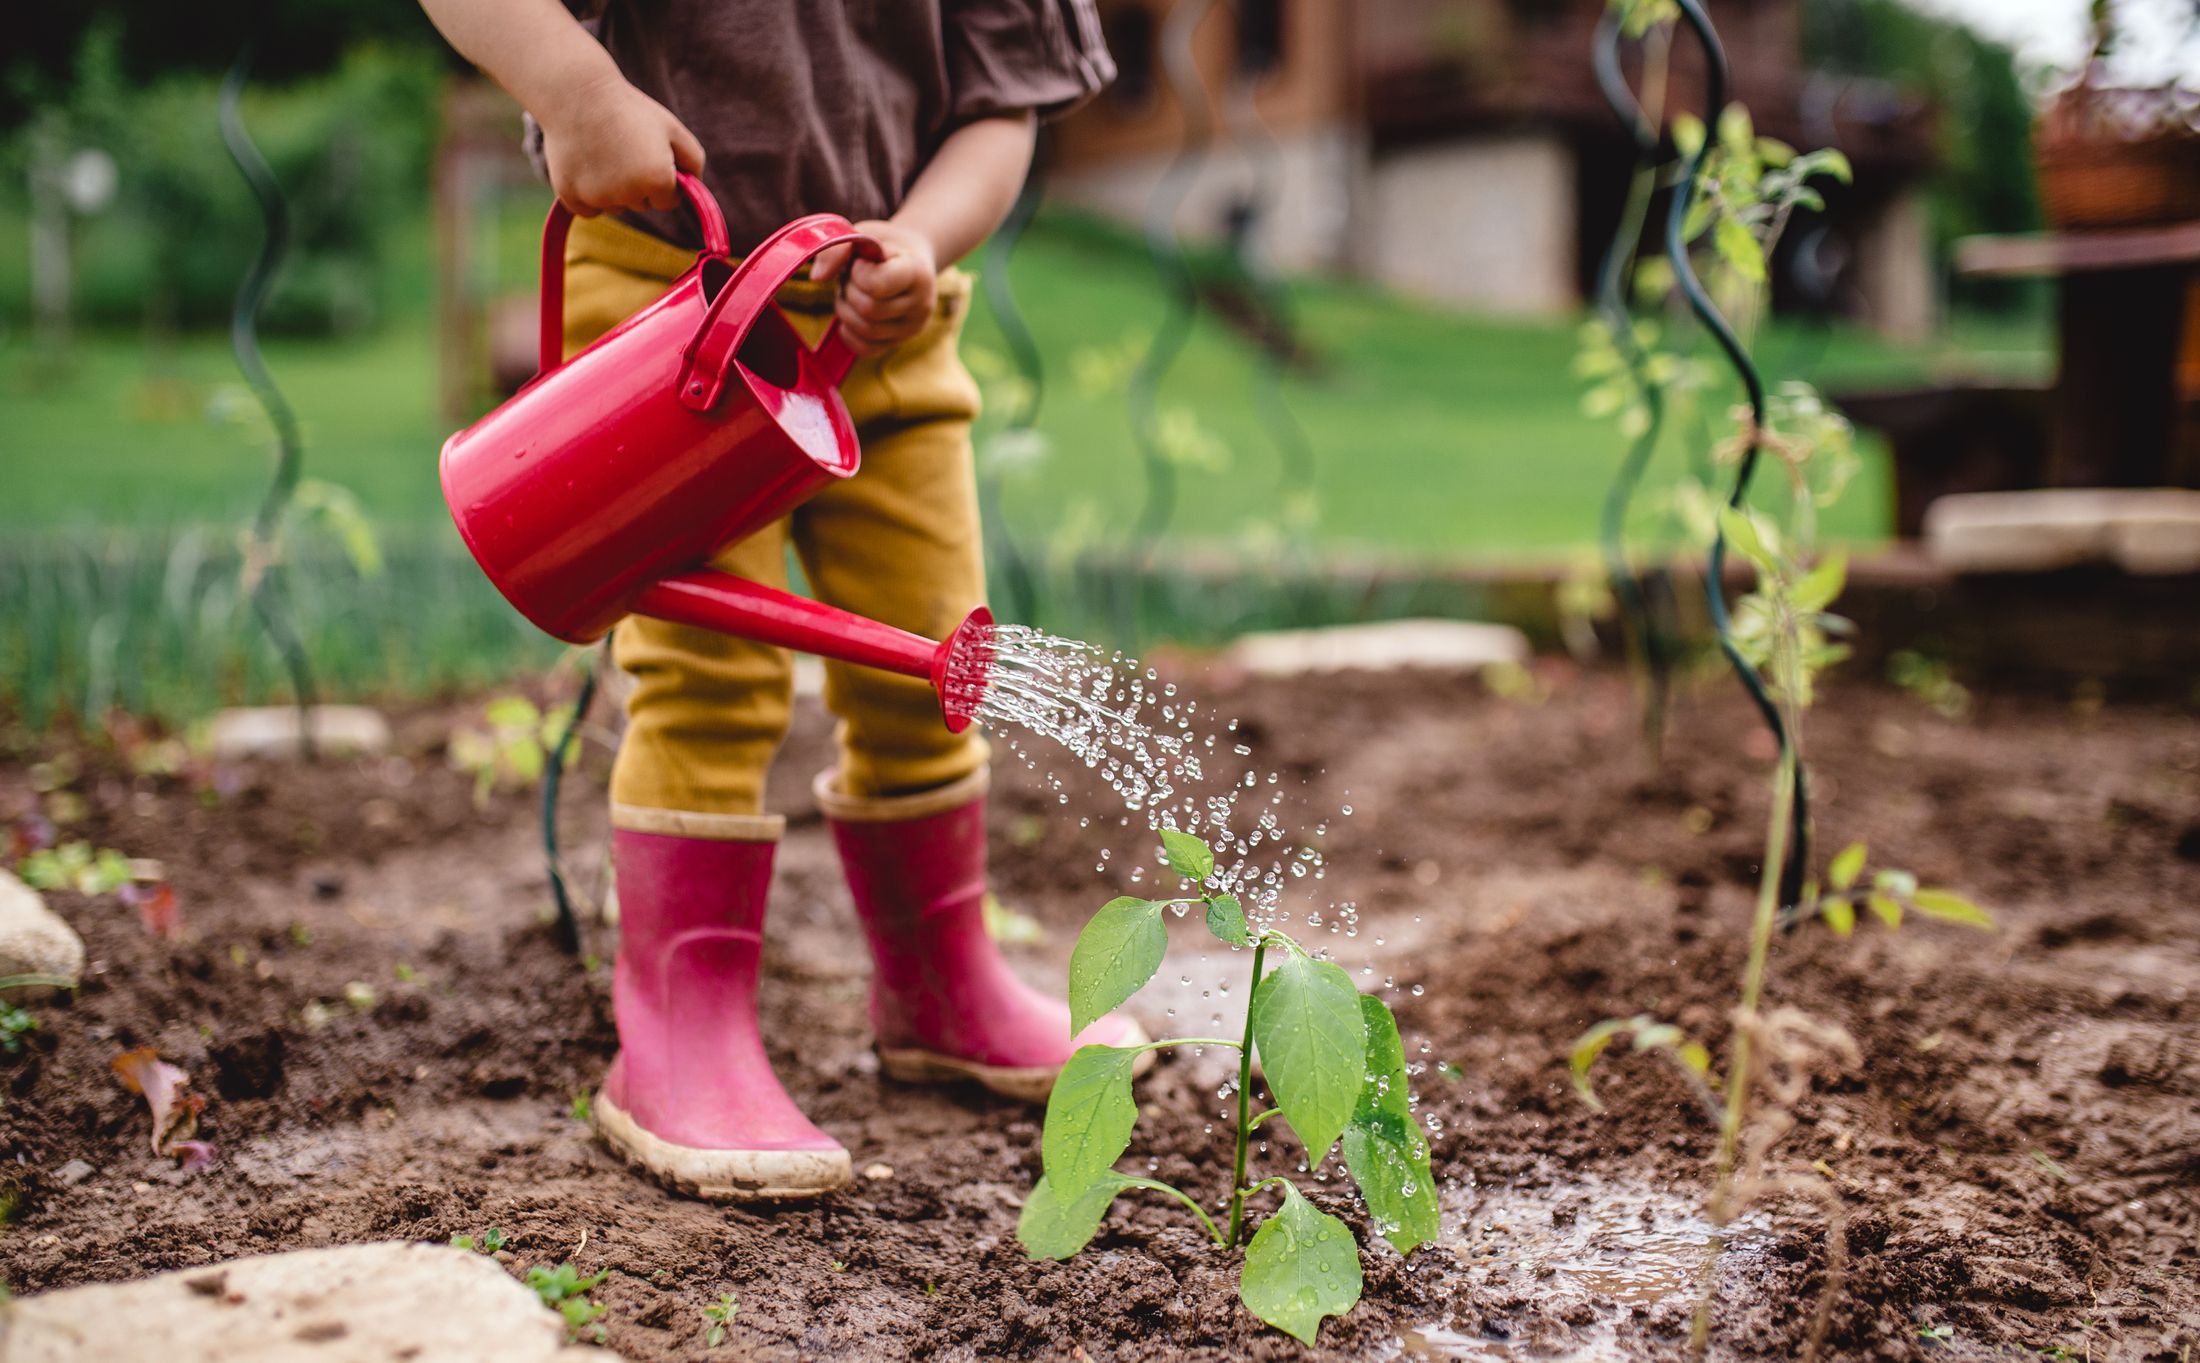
(898, 543)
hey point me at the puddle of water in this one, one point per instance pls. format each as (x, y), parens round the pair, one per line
(1584, 1256)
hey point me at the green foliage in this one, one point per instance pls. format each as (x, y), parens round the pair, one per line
(513, 748)
(15, 1024)
(490, 1242)
(1383, 1145)
(1333, 1059)
(719, 1316)
(1117, 953)
(1886, 895)
(75, 866)
(1306, 1021)
(1301, 1267)
(351, 149)
(565, 1291)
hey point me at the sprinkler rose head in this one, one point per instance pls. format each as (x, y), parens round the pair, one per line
(962, 669)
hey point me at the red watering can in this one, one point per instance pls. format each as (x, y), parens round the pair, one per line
(604, 486)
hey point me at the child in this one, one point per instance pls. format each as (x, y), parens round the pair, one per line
(916, 119)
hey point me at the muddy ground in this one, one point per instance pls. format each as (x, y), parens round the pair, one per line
(2018, 1154)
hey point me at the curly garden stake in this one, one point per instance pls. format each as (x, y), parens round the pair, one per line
(263, 566)
(1794, 865)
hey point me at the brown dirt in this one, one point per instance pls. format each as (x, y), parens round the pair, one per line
(2018, 1154)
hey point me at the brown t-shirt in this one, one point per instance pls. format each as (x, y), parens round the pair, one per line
(811, 106)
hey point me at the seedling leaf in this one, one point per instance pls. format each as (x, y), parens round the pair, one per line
(1188, 856)
(1089, 1116)
(1119, 950)
(1384, 1146)
(1740, 249)
(1226, 920)
(1312, 1044)
(1846, 867)
(1301, 1266)
(1053, 1228)
(1840, 915)
(1951, 908)
(1584, 1058)
(1889, 910)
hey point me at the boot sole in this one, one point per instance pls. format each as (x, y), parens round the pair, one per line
(1030, 1084)
(722, 1175)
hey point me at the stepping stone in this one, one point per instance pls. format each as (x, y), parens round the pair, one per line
(1438, 645)
(2144, 531)
(34, 940)
(272, 731)
(355, 1304)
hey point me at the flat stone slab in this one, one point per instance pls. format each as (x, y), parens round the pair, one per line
(1436, 645)
(272, 731)
(33, 938)
(2144, 531)
(379, 1303)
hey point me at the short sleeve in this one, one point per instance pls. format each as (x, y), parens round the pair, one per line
(1004, 56)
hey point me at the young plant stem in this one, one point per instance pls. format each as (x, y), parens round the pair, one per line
(1245, 1104)
(1737, 1072)
(1180, 1195)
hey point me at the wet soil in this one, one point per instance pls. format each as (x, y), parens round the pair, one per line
(2018, 1153)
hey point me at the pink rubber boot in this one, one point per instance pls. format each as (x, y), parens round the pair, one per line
(691, 1098)
(944, 1005)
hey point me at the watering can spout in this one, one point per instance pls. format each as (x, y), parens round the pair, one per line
(959, 667)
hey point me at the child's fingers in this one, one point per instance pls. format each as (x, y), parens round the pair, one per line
(896, 274)
(828, 262)
(687, 152)
(894, 308)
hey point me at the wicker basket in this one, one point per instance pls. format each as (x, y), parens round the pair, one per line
(2118, 158)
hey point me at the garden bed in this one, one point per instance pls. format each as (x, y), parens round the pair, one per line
(2019, 1152)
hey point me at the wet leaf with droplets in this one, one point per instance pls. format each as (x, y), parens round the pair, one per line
(1188, 856)
(1383, 1146)
(1312, 1041)
(1052, 1227)
(1119, 950)
(1301, 1266)
(1089, 1117)
(1226, 920)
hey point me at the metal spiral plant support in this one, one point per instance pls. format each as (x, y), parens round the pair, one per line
(1023, 350)
(1141, 395)
(553, 777)
(1613, 273)
(263, 569)
(1737, 355)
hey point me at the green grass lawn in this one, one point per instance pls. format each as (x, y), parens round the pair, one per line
(1434, 433)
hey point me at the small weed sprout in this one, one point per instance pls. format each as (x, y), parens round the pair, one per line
(565, 1291)
(584, 1106)
(490, 1242)
(1330, 1055)
(719, 1316)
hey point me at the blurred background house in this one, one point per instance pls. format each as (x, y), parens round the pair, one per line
(1457, 149)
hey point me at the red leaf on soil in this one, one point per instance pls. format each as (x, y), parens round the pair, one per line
(156, 906)
(167, 1091)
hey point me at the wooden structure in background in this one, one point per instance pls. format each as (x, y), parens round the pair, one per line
(2125, 411)
(477, 162)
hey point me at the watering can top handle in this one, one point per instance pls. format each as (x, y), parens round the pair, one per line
(766, 270)
(560, 222)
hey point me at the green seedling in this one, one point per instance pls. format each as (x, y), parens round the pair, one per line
(75, 866)
(1743, 191)
(719, 1316)
(565, 1291)
(490, 1242)
(16, 1023)
(513, 748)
(584, 1106)
(1937, 1334)
(1330, 1055)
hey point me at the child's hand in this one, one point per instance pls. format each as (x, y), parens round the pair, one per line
(609, 146)
(885, 302)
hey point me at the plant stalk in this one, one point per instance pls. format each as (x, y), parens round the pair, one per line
(1737, 1073)
(1245, 1105)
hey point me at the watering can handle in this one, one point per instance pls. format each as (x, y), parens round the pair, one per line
(560, 222)
(766, 270)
